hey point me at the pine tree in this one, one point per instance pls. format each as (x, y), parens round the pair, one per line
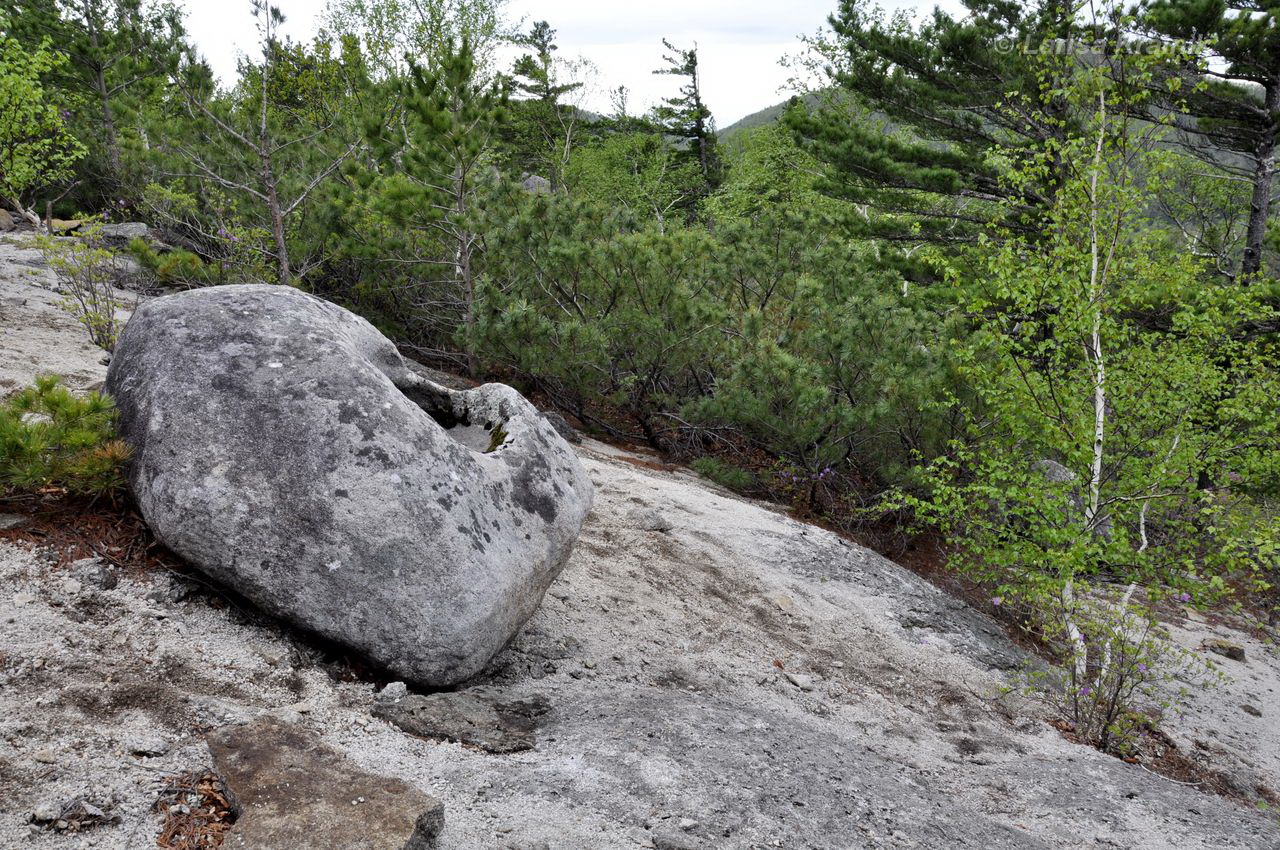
(1231, 104)
(923, 105)
(52, 439)
(540, 122)
(268, 149)
(439, 154)
(686, 116)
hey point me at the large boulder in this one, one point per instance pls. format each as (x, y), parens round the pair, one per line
(282, 446)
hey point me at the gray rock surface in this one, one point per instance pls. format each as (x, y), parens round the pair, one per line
(536, 185)
(124, 231)
(562, 426)
(38, 336)
(649, 519)
(282, 445)
(294, 791)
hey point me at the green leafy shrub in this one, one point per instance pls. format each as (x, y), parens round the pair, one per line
(51, 439)
(725, 474)
(1118, 662)
(87, 272)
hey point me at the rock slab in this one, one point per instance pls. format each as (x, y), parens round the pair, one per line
(475, 717)
(291, 790)
(282, 445)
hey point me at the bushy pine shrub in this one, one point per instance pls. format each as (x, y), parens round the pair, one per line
(173, 268)
(53, 440)
(725, 474)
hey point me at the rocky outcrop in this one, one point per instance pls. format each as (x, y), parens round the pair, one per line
(124, 232)
(282, 445)
(291, 790)
(741, 680)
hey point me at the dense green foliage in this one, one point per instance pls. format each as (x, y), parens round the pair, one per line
(36, 149)
(1227, 94)
(51, 439)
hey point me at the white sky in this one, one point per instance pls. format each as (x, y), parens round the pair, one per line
(739, 41)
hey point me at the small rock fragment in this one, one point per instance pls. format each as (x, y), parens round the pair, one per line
(147, 745)
(95, 573)
(393, 692)
(1225, 648)
(8, 521)
(649, 519)
(74, 815)
(784, 603)
(800, 680)
(478, 717)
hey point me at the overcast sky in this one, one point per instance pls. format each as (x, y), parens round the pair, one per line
(739, 41)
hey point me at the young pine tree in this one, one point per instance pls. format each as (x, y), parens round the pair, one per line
(686, 116)
(436, 159)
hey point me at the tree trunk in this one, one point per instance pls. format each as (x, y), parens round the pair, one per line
(277, 221)
(1259, 205)
(277, 231)
(462, 268)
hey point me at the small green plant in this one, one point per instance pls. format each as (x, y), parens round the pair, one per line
(1120, 675)
(725, 474)
(87, 272)
(53, 440)
(496, 438)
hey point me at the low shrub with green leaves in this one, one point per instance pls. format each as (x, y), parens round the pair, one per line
(87, 272)
(52, 440)
(1122, 675)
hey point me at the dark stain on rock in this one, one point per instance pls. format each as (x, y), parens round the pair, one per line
(529, 495)
(377, 453)
(350, 414)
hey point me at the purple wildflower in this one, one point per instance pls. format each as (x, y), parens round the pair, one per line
(997, 601)
(1142, 668)
(1184, 597)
